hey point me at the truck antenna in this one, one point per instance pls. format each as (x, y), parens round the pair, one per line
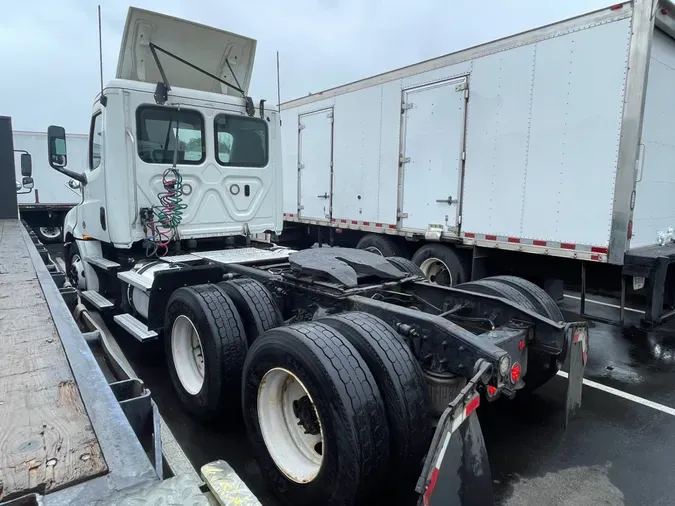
(100, 48)
(278, 90)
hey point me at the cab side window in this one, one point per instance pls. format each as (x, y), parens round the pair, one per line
(95, 141)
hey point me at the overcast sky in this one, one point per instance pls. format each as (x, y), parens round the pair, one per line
(49, 48)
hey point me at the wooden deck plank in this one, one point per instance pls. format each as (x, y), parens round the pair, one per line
(46, 438)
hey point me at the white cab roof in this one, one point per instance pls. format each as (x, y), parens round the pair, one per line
(204, 46)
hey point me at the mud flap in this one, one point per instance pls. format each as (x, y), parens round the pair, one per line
(577, 356)
(457, 471)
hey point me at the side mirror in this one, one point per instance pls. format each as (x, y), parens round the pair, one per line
(26, 165)
(58, 157)
(28, 182)
(56, 141)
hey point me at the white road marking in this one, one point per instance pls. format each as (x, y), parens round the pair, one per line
(600, 303)
(625, 395)
(60, 263)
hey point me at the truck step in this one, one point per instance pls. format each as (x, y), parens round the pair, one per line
(135, 279)
(136, 328)
(103, 263)
(97, 300)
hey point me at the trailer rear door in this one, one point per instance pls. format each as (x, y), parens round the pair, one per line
(315, 157)
(431, 155)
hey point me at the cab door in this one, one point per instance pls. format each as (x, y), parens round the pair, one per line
(92, 214)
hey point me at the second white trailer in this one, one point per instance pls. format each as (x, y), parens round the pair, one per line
(45, 206)
(553, 142)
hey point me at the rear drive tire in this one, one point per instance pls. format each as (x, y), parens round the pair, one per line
(405, 265)
(441, 264)
(545, 305)
(541, 367)
(489, 286)
(205, 345)
(256, 306)
(400, 381)
(49, 235)
(341, 453)
(380, 245)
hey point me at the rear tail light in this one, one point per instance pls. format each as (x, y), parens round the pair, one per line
(515, 373)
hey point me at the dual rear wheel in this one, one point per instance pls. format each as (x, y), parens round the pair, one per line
(330, 406)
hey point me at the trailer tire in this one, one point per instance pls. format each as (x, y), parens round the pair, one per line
(402, 385)
(343, 411)
(380, 245)
(545, 305)
(434, 259)
(49, 235)
(220, 334)
(258, 310)
(405, 265)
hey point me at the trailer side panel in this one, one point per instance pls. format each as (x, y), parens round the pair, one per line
(550, 173)
(654, 205)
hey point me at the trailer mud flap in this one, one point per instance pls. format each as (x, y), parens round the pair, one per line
(577, 356)
(457, 471)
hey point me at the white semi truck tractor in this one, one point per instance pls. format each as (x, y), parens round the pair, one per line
(338, 359)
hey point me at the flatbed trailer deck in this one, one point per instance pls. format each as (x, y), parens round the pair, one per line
(67, 436)
(46, 437)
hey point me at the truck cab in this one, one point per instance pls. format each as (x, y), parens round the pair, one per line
(177, 150)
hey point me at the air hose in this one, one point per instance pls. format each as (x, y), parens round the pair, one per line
(168, 214)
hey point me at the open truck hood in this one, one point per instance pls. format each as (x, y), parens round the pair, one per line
(203, 46)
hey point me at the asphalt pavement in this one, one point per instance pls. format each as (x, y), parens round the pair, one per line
(618, 450)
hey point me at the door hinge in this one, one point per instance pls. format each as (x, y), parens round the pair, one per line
(463, 155)
(402, 215)
(329, 115)
(300, 208)
(406, 106)
(300, 127)
(301, 166)
(466, 94)
(462, 86)
(403, 159)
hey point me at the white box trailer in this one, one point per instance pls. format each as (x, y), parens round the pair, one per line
(553, 142)
(53, 195)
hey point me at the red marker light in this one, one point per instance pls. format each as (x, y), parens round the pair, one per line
(664, 12)
(492, 391)
(515, 373)
(521, 345)
(615, 7)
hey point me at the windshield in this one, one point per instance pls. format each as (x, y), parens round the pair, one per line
(241, 141)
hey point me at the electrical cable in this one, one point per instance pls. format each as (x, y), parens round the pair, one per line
(166, 217)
